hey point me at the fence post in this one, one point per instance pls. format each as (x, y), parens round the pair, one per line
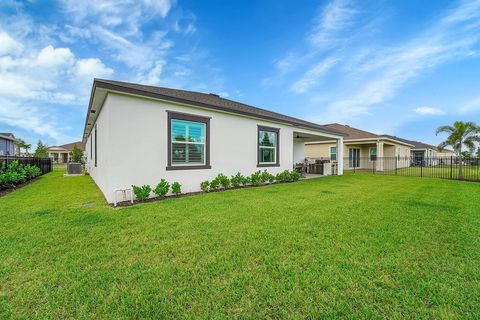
(396, 165)
(421, 168)
(451, 167)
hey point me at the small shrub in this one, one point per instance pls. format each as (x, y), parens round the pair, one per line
(246, 181)
(32, 171)
(142, 193)
(267, 177)
(256, 178)
(205, 185)
(283, 176)
(237, 180)
(215, 184)
(176, 188)
(295, 175)
(224, 181)
(162, 188)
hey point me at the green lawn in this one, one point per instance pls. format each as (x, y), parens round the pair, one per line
(440, 171)
(354, 246)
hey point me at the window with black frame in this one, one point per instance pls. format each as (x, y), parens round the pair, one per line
(268, 146)
(188, 142)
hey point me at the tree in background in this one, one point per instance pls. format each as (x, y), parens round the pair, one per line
(21, 144)
(459, 135)
(42, 150)
(77, 154)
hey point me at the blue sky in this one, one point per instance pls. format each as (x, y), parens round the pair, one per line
(398, 67)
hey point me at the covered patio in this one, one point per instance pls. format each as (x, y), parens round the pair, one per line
(317, 166)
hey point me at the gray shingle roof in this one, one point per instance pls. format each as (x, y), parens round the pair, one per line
(206, 100)
(417, 144)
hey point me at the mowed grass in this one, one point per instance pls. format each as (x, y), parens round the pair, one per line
(440, 171)
(354, 246)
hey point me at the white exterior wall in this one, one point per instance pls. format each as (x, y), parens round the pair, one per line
(101, 172)
(298, 152)
(132, 145)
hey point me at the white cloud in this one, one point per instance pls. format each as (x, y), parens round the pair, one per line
(336, 17)
(391, 68)
(429, 111)
(92, 68)
(54, 57)
(311, 77)
(153, 76)
(127, 15)
(8, 45)
(28, 118)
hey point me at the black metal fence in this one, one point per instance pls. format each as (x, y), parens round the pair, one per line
(45, 164)
(459, 168)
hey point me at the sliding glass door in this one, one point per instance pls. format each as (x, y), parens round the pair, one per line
(354, 157)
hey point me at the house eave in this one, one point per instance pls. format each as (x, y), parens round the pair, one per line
(96, 105)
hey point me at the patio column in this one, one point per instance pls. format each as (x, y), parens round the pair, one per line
(340, 156)
(380, 159)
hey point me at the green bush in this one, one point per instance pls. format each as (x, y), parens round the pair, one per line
(15, 174)
(224, 181)
(295, 175)
(32, 171)
(205, 185)
(237, 180)
(283, 176)
(256, 178)
(176, 188)
(162, 188)
(142, 193)
(215, 184)
(246, 181)
(267, 177)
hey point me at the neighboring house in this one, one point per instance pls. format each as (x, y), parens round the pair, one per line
(445, 153)
(362, 149)
(7, 144)
(62, 154)
(421, 153)
(427, 154)
(136, 135)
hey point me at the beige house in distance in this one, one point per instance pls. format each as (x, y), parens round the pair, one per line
(61, 154)
(362, 149)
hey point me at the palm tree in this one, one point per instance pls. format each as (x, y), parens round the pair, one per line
(21, 144)
(459, 135)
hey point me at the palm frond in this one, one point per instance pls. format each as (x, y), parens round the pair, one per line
(446, 129)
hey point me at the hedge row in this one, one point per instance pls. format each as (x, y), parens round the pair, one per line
(15, 174)
(255, 179)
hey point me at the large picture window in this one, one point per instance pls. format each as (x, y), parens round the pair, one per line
(268, 147)
(188, 142)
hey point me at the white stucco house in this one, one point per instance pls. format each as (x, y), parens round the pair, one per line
(136, 134)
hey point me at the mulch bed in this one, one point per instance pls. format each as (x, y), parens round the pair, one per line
(189, 194)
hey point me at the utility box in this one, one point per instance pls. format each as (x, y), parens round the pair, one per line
(74, 168)
(327, 169)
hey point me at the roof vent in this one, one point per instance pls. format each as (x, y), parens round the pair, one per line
(92, 111)
(214, 94)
